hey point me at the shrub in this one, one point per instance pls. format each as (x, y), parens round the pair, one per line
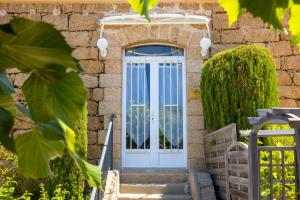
(66, 172)
(235, 83)
(66, 183)
(9, 185)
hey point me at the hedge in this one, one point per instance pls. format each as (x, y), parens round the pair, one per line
(235, 83)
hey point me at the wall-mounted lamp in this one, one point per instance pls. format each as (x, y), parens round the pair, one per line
(2, 12)
(102, 44)
(205, 43)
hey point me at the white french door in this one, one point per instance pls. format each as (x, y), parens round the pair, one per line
(153, 134)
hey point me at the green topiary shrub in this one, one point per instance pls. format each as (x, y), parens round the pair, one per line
(235, 83)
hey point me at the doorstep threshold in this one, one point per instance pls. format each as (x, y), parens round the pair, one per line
(156, 170)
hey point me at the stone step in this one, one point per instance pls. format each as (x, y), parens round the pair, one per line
(169, 188)
(154, 196)
(153, 176)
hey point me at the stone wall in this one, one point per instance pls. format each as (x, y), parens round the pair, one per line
(112, 185)
(249, 30)
(103, 77)
(202, 187)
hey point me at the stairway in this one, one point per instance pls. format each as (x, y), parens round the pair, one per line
(154, 185)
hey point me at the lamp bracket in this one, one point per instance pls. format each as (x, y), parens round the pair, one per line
(156, 19)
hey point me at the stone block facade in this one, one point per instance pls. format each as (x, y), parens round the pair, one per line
(103, 76)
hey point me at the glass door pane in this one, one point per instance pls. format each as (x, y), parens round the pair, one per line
(170, 106)
(138, 106)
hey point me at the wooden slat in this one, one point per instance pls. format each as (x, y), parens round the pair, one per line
(254, 120)
(276, 148)
(277, 165)
(266, 133)
(238, 193)
(294, 122)
(222, 132)
(219, 171)
(238, 155)
(278, 181)
(215, 159)
(238, 167)
(263, 112)
(238, 180)
(280, 111)
(220, 147)
(220, 183)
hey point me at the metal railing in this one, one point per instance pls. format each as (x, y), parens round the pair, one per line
(106, 160)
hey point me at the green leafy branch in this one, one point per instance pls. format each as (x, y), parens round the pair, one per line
(142, 7)
(54, 93)
(270, 11)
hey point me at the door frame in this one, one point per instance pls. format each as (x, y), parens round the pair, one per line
(153, 142)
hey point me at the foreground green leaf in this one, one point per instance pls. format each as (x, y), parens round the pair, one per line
(142, 6)
(294, 23)
(233, 9)
(90, 172)
(270, 11)
(54, 94)
(34, 46)
(69, 136)
(52, 130)
(7, 102)
(6, 87)
(35, 152)
(6, 124)
(24, 111)
(7, 28)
